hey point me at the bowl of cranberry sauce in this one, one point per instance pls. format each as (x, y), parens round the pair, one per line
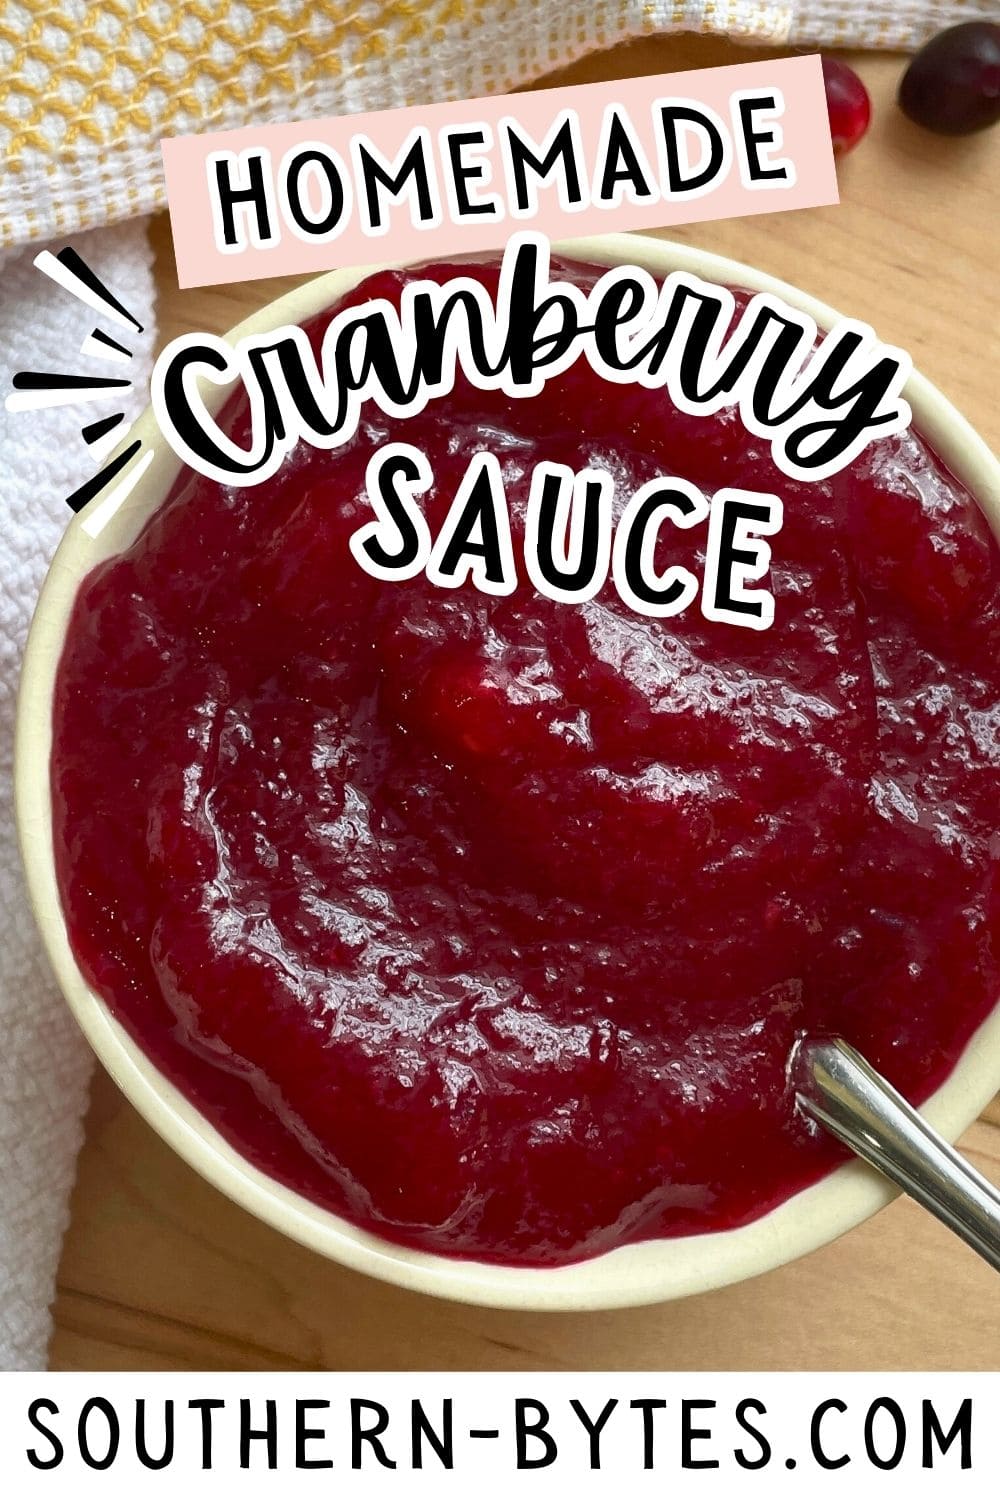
(465, 937)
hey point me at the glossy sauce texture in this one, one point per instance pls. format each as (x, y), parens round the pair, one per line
(489, 923)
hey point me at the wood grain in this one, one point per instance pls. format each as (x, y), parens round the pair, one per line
(159, 1271)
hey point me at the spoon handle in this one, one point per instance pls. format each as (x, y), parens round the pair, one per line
(836, 1087)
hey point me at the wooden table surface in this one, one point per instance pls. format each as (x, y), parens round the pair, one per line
(159, 1271)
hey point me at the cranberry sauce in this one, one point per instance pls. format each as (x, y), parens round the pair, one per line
(489, 922)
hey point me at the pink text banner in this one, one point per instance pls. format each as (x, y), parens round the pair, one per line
(457, 178)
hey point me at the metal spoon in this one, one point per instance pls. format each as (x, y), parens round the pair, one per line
(835, 1086)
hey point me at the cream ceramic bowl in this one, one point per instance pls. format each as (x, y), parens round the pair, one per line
(652, 1271)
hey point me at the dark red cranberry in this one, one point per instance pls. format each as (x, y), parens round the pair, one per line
(952, 85)
(848, 104)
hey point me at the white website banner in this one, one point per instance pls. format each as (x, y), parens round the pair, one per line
(435, 1435)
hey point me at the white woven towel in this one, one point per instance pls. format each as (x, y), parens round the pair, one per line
(44, 1062)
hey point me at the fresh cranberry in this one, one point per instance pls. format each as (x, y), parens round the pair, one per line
(848, 104)
(952, 85)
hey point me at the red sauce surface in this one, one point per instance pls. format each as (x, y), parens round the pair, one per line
(489, 922)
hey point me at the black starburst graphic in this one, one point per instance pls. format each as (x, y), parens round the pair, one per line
(35, 389)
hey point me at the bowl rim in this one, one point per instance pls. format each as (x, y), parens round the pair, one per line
(633, 1275)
